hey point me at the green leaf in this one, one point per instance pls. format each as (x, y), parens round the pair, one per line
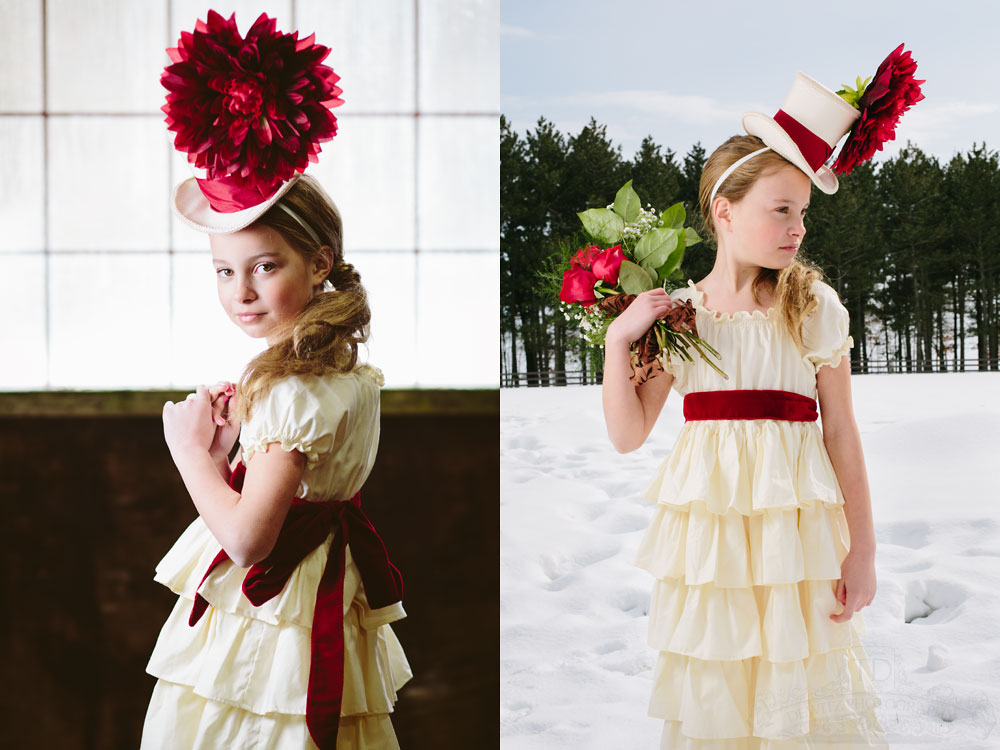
(691, 237)
(633, 279)
(627, 203)
(603, 224)
(672, 263)
(655, 246)
(677, 275)
(673, 217)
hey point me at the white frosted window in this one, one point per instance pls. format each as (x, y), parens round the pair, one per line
(459, 55)
(368, 171)
(458, 312)
(22, 338)
(21, 193)
(110, 320)
(116, 292)
(105, 56)
(205, 345)
(107, 183)
(359, 34)
(20, 56)
(458, 202)
(388, 279)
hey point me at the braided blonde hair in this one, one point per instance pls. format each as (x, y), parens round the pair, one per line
(324, 336)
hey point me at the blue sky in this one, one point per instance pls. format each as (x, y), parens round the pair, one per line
(684, 72)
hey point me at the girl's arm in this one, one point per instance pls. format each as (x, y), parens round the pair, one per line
(843, 444)
(630, 411)
(245, 525)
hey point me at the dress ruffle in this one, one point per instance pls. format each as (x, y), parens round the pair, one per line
(749, 466)
(746, 545)
(243, 668)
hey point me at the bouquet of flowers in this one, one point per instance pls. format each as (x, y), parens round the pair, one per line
(643, 251)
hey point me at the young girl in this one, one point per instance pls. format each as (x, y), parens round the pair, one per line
(280, 636)
(762, 543)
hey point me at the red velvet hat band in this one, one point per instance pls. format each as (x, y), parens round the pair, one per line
(226, 197)
(815, 150)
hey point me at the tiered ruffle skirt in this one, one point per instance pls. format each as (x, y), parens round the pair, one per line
(239, 677)
(746, 545)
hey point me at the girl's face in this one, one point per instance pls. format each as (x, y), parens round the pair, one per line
(262, 281)
(765, 227)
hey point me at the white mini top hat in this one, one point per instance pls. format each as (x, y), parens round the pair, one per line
(806, 129)
(250, 112)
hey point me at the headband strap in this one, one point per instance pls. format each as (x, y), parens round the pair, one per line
(309, 229)
(732, 168)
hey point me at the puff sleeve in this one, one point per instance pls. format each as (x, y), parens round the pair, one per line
(291, 415)
(825, 331)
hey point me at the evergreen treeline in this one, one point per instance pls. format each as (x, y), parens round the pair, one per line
(910, 244)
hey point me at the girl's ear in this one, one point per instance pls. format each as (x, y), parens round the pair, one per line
(322, 264)
(722, 211)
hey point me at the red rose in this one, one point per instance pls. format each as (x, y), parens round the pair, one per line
(893, 90)
(607, 264)
(585, 258)
(578, 286)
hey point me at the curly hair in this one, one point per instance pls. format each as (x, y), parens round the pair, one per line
(324, 336)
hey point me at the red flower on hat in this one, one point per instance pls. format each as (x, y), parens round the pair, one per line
(893, 91)
(254, 110)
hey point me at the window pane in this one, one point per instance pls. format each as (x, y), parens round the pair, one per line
(388, 279)
(21, 193)
(459, 56)
(459, 198)
(21, 56)
(457, 340)
(368, 171)
(110, 320)
(106, 56)
(360, 34)
(22, 289)
(107, 183)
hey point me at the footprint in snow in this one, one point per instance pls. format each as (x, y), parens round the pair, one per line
(932, 602)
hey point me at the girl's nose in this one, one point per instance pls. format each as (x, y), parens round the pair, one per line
(245, 292)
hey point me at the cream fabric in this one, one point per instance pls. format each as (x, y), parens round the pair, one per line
(238, 678)
(745, 546)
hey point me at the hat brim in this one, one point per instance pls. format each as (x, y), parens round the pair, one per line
(193, 208)
(765, 128)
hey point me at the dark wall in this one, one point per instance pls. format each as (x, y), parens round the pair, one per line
(90, 505)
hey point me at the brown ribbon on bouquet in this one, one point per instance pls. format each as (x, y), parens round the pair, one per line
(646, 349)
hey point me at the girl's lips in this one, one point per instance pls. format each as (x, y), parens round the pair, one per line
(790, 248)
(248, 317)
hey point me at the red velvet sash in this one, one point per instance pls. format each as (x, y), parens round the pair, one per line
(749, 404)
(304, 529)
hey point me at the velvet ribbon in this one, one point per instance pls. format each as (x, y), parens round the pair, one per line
(813, 148)
(749, 404)
(306, 526)
(226, 196)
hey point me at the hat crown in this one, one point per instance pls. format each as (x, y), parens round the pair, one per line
(819, 109)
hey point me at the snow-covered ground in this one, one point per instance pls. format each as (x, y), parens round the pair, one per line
(575, 668)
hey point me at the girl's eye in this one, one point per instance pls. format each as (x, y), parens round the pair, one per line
(227, 272)
(783, 209)
(266, 267)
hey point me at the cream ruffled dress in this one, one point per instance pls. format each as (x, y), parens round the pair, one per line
(238, 678)
(745, 545)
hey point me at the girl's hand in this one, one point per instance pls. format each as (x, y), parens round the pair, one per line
(856, 587)
(640, 315)
(223, 397)
(188, 426)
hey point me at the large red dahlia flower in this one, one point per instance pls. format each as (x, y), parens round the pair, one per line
(892, 91)
(253, 110)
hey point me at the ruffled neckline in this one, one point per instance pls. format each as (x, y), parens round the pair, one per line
(698, 297)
